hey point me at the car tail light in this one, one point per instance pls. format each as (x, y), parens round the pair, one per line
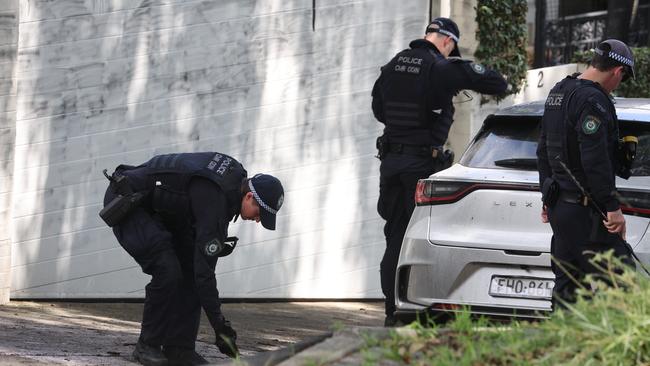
(436, 192)
(635, 203)
(430, 192)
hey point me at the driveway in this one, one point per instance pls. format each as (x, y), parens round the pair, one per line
(39, 333)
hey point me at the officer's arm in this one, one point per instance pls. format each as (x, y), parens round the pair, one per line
(592, 131)
(209, 209)
(377, 102)
(459, 74)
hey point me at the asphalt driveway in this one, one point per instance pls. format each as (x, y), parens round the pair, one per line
(39, 333)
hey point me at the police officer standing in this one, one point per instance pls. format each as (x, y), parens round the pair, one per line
(578, 146)
(171, 215)
(413, 99)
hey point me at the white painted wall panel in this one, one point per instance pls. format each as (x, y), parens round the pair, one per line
(117, 81)
(8, 56)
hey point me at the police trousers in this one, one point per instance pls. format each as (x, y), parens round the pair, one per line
(572, 246)
(172, 311)
(395, 205)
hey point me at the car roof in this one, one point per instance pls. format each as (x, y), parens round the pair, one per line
(627, 109)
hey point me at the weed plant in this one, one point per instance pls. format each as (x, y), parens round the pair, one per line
(608, 325)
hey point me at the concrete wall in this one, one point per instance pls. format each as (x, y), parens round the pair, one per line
(8, 45)
(107, 82)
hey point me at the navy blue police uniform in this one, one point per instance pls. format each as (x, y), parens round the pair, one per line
(176, 235)
(579, 129)
(413, 99)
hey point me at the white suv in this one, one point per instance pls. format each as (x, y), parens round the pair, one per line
(476, 237)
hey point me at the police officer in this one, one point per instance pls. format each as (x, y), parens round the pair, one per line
(413, 99)
(580, 130)
(171, 215)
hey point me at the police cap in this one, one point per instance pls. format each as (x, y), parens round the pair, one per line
(447, 27)
(269, 194)
(619, 52)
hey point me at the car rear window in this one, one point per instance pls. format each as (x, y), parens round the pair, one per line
(506, 142)
(502, 139)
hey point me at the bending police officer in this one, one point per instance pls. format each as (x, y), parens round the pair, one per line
(171, 214)
(413, 99)
(580, 131)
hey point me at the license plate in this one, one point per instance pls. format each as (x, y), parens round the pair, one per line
(521, 287)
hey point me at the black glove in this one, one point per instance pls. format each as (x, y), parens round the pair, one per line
(226, 338)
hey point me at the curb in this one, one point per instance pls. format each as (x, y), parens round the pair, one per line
(343, 344)
(325, 349)
(272, 358)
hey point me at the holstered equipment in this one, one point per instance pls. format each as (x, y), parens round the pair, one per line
(125, 201)
(626, 153)
(382, 147)
(433, 152)
(446, 159)
(575, 198)
(550, 192)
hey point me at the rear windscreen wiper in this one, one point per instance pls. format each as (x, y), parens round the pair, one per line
(530, 163)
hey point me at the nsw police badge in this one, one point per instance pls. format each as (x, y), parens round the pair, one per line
(590, 125)
(478, 68)
(212, 248)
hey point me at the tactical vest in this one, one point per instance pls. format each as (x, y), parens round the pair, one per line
(561, 136)
(405, 88)
(170, 176)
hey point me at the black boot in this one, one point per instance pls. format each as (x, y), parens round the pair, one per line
(179, 356)
(149, 355)
(392, 321)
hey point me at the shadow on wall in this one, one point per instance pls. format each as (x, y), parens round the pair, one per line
(105, 84)
(333, 238)
(87, 100)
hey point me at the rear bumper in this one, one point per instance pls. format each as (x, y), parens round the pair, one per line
(429, 274)
(408, 316)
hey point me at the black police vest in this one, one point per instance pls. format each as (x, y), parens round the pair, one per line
(561, 136)
(405, 88)
(171, 174)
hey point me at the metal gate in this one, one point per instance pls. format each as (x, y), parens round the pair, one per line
(558, 37)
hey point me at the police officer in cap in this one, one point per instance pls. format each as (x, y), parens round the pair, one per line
(413, 99)
(578, 145)
(171, 215)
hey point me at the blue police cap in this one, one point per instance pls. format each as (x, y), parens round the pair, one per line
(619, 52)
(447, 27)
(269, 194)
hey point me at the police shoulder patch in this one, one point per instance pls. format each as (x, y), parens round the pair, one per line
(590, 124)
(212, 248)
(478, 68)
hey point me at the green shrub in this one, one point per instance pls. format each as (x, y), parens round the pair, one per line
(501, 35)
(637, 88)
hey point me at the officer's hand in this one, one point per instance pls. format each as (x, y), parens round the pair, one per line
(226, 340)
(615, 222)
(544, 214)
